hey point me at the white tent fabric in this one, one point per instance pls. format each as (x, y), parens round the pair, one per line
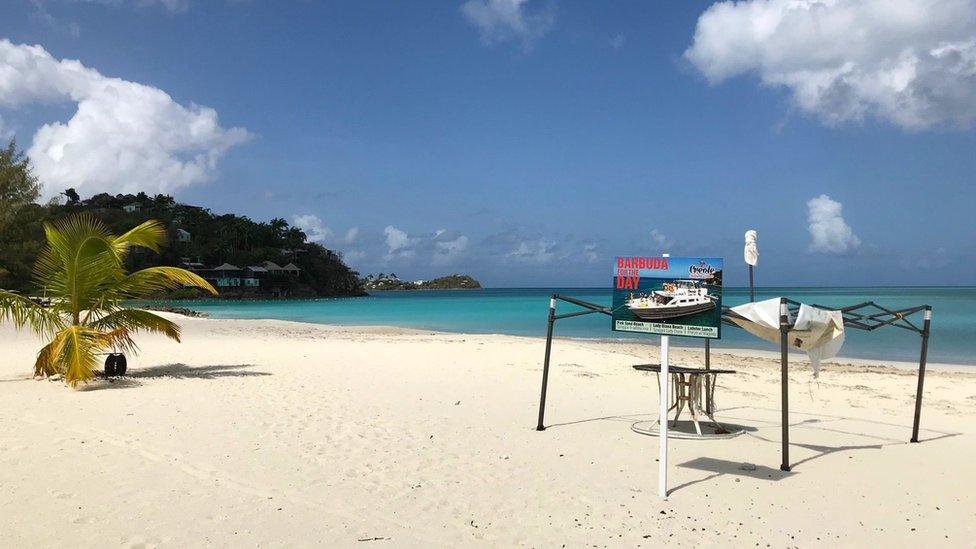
(819, 332)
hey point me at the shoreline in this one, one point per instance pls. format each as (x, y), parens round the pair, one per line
(796, 356)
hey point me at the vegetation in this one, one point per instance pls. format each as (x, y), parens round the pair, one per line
(21, 233)
(390, 281)
(81, 270)
(210, 239)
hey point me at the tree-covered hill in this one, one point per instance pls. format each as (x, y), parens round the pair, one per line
(196, 236)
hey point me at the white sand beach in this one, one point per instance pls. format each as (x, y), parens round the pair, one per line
(269, 433)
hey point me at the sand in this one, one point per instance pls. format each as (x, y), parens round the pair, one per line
(270, 433)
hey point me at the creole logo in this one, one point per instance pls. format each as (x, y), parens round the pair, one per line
(702, 270)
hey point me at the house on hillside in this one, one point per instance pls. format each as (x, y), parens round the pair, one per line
(225, 276)
(253, 275)
(292, 269)
(182, 235)
(193, 266)
(132, 207)
(272, 267)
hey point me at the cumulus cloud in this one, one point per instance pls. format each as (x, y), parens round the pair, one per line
(448, 246)
(539, 251)
(398, 243)
(123, 137)
(908, 62)
(829, 233)
(442, 247)
(505, 20)
(313, 227)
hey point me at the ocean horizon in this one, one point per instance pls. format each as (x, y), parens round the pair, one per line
(523, 312)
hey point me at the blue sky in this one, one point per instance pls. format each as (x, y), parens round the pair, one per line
(524, 142)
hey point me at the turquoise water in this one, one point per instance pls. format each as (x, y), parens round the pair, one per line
(523, 312)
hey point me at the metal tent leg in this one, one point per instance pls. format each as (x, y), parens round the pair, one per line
(921, 373)
(545, 364)
(784, 330)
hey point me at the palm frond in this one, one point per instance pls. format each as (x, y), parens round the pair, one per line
(45, 365)
(73, 352)
(153, 279)
(137, 320)
(150, 234)
(78, 258)
(23, 312)
(120, 341)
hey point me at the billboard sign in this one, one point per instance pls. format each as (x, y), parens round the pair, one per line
(676, 296)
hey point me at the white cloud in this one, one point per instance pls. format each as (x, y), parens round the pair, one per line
(313, 227)
(398, 243)
(124, 136)
(539, 251)
(909, 62)
(440, 247)
(351, 235)
(41, 15)
(661, 240)
(590, 253)
(829, 233)
(396, 239)
(172, 6)
(448, 246)
(504, 20)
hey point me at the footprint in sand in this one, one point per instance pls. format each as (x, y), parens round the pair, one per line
(139, 542)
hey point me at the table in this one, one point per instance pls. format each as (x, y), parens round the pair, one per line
(689, 386)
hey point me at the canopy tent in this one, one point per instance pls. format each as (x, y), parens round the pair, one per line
(819, 332)
(866, 316)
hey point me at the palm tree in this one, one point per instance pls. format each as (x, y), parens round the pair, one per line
(82, 271)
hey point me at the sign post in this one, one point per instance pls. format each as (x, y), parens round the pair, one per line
(662, 468)
(667, 296)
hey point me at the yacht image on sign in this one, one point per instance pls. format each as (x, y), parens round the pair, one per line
(676, 299)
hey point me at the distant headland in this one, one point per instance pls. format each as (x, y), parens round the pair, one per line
(382, 282)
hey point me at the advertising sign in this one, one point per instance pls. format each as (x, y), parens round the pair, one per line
(679, 296)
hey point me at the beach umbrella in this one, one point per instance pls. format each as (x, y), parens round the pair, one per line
(751, 255)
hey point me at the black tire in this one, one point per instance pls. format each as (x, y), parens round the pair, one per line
(110, 365)
(120, 365)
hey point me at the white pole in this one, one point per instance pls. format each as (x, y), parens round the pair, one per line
(662, 474)
(662, 483)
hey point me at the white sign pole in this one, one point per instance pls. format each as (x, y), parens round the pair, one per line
(662, 475)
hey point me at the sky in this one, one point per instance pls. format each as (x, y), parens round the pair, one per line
(525, 142)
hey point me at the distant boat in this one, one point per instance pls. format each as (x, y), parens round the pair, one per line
(675, 299)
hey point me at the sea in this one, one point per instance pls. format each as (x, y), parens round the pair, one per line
(523, 311)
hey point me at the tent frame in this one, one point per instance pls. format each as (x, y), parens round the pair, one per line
(867, 316)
